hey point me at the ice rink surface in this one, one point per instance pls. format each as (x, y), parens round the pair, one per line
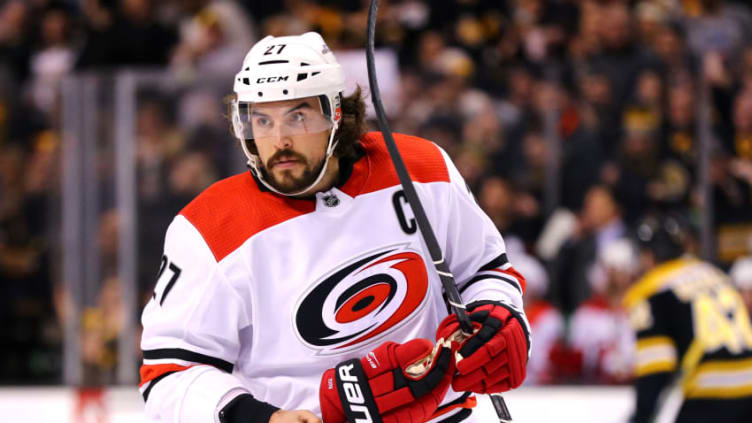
(576, 404)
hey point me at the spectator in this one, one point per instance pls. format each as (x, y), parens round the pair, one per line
(214, 40)
(620, 58)
(497, 198)
(445, 130)
(471, 163)
(531, 175)
(54, 59)
(599, 224)
(579, 141)
(119, 34)
(742, 115)
(671, 49)
(636, 163)
(650, 92)
(600, 328)
(649, 16)
(14, 41)
(598, 111)
(158, 140)
(516, 106)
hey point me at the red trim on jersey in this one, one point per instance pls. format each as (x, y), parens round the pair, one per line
(515, 274)
(153, 371)
(234, 209)
(423, 160)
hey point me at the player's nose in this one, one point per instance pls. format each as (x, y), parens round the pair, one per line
(282, 141)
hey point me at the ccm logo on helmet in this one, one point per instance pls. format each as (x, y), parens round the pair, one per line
(353, 394)
(272, 79)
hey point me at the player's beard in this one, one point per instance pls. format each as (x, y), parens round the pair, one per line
(287, 182)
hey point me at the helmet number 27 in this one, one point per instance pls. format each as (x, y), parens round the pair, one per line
(270, 49)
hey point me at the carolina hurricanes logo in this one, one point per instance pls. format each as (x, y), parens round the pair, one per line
(362, 299)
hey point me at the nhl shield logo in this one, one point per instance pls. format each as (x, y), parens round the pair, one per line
(363, 299)
(331, 200)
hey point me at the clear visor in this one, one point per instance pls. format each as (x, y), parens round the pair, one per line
(279, 119)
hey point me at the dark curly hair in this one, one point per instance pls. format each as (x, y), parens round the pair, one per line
(351, 127)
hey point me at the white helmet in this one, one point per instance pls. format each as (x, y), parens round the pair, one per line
(535, 274)
(288, 68)
(619, 254)
(741, 273)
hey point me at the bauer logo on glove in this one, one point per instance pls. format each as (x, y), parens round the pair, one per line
(394, 383)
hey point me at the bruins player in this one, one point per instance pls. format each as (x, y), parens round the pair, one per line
(692, 329)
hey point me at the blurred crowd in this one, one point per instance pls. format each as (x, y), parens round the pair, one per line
(569, 119)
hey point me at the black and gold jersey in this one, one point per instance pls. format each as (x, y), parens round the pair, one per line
(691, 323)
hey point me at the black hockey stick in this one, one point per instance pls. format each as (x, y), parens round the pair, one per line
(437, 256)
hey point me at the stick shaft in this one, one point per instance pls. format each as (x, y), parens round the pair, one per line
(437, 256)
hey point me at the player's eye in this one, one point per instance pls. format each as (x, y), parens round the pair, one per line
(262, 122)
(298, 117)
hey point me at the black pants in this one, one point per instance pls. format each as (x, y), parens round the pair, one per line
(738, 410)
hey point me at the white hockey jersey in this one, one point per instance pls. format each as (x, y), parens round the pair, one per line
(261, 293)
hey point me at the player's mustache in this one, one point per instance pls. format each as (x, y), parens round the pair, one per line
(284, 155)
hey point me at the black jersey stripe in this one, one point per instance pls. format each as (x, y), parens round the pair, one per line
(499, 261)
(724, 354)
(458, 400)
(479, 278)
(185, 355)
(153, 382)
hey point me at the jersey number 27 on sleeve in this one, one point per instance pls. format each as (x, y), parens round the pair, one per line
(173, 278)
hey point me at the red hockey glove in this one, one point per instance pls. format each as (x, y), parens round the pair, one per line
(493, 359)
(402, 383)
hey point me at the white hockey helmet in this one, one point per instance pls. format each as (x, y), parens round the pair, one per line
(288, 68)
(741, 273)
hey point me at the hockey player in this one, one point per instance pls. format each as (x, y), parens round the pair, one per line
(692, 329)
(301, 289)
(599, 329)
